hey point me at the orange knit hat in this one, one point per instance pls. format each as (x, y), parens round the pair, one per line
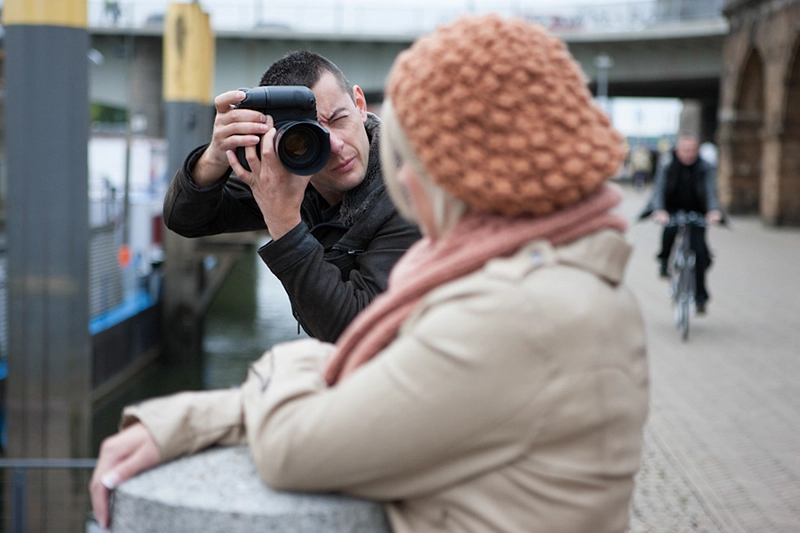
(498, 112)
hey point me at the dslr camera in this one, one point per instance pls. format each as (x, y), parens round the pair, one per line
(302, 144)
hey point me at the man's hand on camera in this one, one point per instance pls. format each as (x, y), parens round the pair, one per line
(277, 192)
(233, 127)
(714, 217)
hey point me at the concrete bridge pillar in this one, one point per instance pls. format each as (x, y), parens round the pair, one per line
(219, 491)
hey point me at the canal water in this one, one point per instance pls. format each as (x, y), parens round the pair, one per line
(249, 314)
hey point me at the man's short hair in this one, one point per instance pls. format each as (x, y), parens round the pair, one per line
(304, 68)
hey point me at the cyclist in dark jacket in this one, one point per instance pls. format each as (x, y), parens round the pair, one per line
(687, 183)
(336, 234)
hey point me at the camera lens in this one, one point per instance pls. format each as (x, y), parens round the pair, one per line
(296, 144)
(303, 147)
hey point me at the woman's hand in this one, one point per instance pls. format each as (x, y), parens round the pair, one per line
(122, 456)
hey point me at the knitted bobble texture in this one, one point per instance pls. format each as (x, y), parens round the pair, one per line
(499, 113)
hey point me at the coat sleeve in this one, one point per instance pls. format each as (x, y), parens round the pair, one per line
(323, 301)
(188, 422)
(423, 414)
(227, 206)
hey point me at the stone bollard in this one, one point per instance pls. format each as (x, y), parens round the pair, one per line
(219, 491)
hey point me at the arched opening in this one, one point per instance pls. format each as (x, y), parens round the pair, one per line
(789, 168)
(746, 145)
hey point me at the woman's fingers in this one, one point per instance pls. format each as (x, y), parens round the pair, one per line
(144, 458)
(122, 456)
(99, 496)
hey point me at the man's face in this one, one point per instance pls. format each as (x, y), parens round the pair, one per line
(686, 150)
(344, 119)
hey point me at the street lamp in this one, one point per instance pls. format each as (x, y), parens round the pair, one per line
(603, 62)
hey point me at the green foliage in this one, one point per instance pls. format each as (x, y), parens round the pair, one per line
(104, 114)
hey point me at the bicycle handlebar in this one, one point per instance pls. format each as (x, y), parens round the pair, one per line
(687, 218)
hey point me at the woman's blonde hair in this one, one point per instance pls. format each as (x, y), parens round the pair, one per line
(395, 149)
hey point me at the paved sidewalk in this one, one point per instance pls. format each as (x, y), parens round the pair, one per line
(722, 445)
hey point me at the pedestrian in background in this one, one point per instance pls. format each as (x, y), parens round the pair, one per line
(500, 383)
(642, 165)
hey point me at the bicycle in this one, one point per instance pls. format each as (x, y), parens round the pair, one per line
(681, 267)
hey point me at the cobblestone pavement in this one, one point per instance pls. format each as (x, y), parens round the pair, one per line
(722, 444)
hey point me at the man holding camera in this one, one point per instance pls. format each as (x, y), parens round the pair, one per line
(335, 233)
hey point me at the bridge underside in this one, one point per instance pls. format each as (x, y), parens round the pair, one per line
(685, 67)
(704, 89)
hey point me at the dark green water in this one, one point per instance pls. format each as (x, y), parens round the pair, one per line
(250, 313)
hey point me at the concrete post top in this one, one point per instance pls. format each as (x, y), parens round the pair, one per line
(219, 491)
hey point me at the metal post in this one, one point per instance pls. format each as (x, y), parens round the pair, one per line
(47, 132)
(603, 62)
(18, 501)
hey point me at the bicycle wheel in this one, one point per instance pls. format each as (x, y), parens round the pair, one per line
(675, 284)
(683, 292)
(684, 325)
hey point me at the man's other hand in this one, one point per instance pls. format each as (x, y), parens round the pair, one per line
(714, 217)
(661, 216)
(233, 127)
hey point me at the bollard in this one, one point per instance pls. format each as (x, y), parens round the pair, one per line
(219, 491)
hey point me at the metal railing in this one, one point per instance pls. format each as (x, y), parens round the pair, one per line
(19, 485)
(393, 17)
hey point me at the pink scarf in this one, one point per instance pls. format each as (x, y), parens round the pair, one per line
(431, 263)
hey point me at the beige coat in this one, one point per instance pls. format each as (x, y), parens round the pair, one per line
(512, 400)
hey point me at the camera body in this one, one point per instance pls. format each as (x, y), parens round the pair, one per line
(302, 144)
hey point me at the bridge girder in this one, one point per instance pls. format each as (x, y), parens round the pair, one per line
(674, 63)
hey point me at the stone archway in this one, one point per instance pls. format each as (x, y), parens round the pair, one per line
(760, 113)
(788, 189)
(746, 139)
